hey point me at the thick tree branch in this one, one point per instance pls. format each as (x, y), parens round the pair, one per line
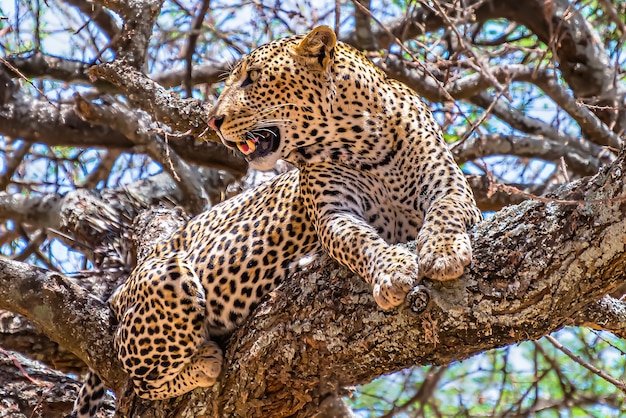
(139, 17)
(29, 390)
(526, 147)
(37, 64)
(608, 314)
(535, 265)
(62, 310)
(19, 335)
(40, 121)
(183, 115)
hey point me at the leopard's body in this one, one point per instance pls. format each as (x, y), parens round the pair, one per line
(373, 171)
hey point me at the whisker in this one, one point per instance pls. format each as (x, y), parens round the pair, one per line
(262, 124)
(223, 75)
(267, 130)
(269, 122)
(271, 109)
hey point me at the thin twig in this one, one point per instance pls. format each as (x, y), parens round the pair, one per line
(617, 383)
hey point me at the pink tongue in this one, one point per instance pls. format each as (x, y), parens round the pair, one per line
(244, 148)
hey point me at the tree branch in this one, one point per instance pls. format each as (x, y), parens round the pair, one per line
(183, 115)
(29, 390)
(99, 15)
(139, 17)
(201, 74)
(490, 198)
(138, 127)
(535, 265)
(19, 335)
(472, 88)
(63, 311)
(40, 121)
(582, 59)
(37, 64)
(526, 147)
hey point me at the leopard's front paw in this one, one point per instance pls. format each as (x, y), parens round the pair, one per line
(444, 256)
(396, 275)
(208, 364)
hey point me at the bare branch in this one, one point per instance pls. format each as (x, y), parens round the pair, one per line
(582, 59)
(191, 44)
(138, 127)
(617, 383)
(490, 198)
(526, 147)
(473, 87)
(100, 16)
(518, 120)
(139, 17)
(39, 121)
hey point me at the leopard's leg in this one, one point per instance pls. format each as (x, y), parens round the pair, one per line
(161, 339)
(351, 216)
(201, 371)
(443, 243)
(443, 201)
(90, 397)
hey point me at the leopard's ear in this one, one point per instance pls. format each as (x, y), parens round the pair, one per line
(318, 47)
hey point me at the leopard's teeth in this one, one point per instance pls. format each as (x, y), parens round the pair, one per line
(247, 147)
(243, 147)
(251, 145)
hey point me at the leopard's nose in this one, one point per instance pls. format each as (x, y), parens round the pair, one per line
(215, 122)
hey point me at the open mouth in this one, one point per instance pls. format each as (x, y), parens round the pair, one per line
(258, 143)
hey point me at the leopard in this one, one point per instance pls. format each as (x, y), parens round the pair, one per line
(372, 171)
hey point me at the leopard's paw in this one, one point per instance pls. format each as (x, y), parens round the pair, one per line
(208, 364)
(202, 370)
(444, 256)
(396, 275)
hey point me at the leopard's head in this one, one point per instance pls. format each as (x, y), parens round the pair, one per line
(278, 98)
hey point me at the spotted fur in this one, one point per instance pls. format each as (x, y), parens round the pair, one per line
(373, 171)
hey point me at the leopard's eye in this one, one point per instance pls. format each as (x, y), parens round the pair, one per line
(251, 76)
